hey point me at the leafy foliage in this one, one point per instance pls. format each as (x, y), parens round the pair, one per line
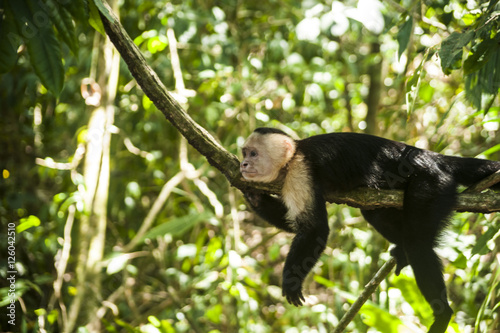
(481, 65)
(201, 265)
(35, 23)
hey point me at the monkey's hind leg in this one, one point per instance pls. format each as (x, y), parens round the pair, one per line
(428, 203)
(389, 222)
(427, 269)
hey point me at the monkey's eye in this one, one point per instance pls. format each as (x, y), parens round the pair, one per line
(253, 153)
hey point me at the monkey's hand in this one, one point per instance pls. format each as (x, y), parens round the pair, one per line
(401, 261)
(292, 289)
(253, 197)
(293, 295)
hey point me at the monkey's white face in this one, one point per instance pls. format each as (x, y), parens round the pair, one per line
(256, 165)
(265, 155)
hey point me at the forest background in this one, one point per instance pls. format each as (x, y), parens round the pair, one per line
(114, 223)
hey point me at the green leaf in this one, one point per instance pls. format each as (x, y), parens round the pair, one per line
(63, 22)
(413, 83)
(426, 93)
(177, 226)
(214, 313)
(484, 310)
(404, 35)
(65, 26)
(95, 18)
(413, 86)
(28, 222)
(325, 282)
(470, 18)
(461, 261)
(380, 319)
(9, 43)
(79, 10)
(104, 10)
(412, 295)
(492, 150)
(374, 316)
(481, 55)
(485, 81)
(481, 245)
(452, 48)
(126, 326)
(43, 46)
(155, 321)
(46, 58)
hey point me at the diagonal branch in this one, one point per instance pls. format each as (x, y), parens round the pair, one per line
(148, 80)
(485, 183)
(228, 163)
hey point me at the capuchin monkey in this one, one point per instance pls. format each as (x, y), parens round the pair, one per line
(331, 163)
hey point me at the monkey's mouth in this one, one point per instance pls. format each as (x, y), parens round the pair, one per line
(248, 174)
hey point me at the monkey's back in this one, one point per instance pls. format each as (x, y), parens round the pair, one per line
(344, 161)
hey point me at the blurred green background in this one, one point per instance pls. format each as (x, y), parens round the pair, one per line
(122, 227)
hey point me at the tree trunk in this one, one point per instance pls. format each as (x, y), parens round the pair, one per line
(92, 231)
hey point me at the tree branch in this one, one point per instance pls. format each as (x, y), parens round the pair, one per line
(228, 163)
(368, 198)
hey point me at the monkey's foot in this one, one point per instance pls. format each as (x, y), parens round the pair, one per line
(293, 295)
(401, 261)
(442, 318)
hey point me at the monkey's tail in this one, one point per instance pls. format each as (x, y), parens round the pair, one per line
(468, 171)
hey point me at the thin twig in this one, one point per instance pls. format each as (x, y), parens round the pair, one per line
(484, 184)
(367, 292)
(63, 262)
(155, 210)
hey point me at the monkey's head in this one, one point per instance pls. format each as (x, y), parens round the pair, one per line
(265, 153)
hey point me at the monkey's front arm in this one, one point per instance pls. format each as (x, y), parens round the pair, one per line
(311, 229)
(270, 209)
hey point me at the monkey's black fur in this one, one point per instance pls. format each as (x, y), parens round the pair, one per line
(343, 161)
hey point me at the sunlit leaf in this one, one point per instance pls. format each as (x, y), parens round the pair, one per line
(28, 222)
(452, 49)
(155, 321)
(177, 226)
(492, 150)
(368, 13)
(207, 280)
(325, 282)
(117, 264)
(484, 82)
(481, 246)
(95, 19)
(103, 9)
(481, 55)
(380, 319)
(214, 313)
(404, 35)
(412, 295)
(308, 29)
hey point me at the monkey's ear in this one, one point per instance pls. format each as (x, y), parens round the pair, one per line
(289, 146)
